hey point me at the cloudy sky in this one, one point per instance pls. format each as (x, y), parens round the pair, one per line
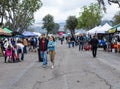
(61, 9)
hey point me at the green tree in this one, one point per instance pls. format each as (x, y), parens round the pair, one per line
(71, 24)
(3, 6)
(56, 28)
(19, 13)
(90, 17)
(117, 18)
(48, 23)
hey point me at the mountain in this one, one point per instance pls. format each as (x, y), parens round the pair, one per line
(37, 27)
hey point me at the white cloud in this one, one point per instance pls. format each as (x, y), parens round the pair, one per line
(61, 9)
(111, 11)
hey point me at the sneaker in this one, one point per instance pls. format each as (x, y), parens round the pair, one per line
(52, 66)
(44, 66)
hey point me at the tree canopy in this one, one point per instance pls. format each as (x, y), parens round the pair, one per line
(56, 28)
(71, 24)
(48, 23)
(90, 17)
(18, 14)
(102, 3)
(117, 18)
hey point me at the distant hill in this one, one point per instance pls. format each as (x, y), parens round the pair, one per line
(106, 21)
(38, 27)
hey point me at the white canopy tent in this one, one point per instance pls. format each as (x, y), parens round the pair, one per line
(94, 30)
(104, 28)
(80, 32)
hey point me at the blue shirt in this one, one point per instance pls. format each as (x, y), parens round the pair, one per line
(51, 45)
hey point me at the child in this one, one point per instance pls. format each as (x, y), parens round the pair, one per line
(8, 54)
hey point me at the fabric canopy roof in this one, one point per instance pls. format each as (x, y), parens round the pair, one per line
(27, 33)
(2, 32)
(37, 33)
(114, 28)
(7, 30)
(94, 30)
(104, 28)
(80, 32)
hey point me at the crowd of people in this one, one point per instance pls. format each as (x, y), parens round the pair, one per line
(88, 42)
(15, 49)
(83, 42)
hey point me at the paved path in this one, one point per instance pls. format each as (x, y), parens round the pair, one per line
(73, 70)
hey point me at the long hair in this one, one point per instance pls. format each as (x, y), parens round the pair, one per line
(53, 38)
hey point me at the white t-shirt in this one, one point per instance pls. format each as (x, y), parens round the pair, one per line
(20, 46)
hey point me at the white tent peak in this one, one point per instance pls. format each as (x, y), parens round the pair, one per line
(93, 30)
(104, 28)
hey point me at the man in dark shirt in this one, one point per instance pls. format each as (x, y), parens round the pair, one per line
(81, 42)
(94, 42)
(43, 46)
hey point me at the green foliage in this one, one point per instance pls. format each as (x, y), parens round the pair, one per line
(117, 18)
(71, 24)
(19, 13)
(56, 28)
(48, 23)
(90, 17)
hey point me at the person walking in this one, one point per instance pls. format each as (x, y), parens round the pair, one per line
(81, 42)
(94, 42)
(43, 47)
(25, 43)
(69, 41)
(62, 40)
(51, 48)
(34, 44)
(73, 41)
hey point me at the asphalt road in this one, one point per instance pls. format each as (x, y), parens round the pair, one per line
(73, 70)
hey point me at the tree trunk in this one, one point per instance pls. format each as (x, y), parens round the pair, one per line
(72, 32)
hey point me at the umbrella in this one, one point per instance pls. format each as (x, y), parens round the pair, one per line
(2, 32)
(61, 33)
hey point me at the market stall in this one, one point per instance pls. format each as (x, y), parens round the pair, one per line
(115, 30)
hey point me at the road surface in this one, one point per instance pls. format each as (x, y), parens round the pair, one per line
(73, 70)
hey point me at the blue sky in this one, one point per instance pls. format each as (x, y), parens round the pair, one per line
(61, 9)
